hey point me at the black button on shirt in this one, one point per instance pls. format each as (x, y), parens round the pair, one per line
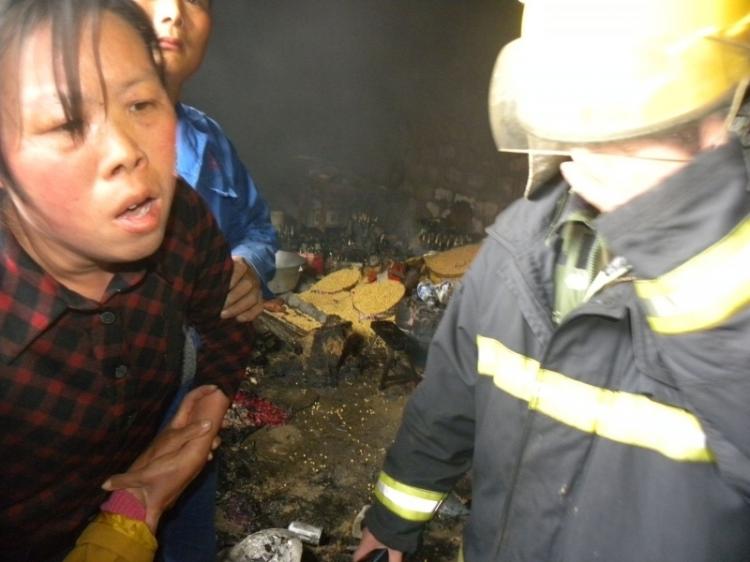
(108, 317)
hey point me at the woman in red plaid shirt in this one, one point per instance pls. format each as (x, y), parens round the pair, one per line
(105, 256)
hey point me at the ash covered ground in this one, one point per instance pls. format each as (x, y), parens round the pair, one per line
(298, 450)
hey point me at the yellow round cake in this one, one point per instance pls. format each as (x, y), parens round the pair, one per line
(340, 280)
(377, 298)
(452, 263)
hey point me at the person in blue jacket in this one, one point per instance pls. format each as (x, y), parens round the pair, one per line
(208, 162)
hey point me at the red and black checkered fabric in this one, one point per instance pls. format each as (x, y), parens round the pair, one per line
(84, 385)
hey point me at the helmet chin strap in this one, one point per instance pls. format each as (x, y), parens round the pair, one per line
(541, 168)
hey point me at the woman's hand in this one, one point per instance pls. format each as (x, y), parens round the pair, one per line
(245, 298)
(176, 455)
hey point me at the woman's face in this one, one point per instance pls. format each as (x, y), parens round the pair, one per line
(183, 28)
(82, 203)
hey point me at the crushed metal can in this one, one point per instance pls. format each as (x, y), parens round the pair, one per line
(307, 533)
(427, 293)
(444, 291)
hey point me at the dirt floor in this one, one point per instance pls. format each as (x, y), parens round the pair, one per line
(296, 451)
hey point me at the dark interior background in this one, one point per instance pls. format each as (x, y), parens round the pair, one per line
(383, 96)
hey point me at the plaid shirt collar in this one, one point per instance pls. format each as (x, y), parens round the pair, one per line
(31, 299)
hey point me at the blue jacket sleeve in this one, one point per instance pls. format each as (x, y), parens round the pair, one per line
(248, 228)
(208, 161)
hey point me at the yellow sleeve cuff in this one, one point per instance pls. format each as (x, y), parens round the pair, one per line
(114, 538)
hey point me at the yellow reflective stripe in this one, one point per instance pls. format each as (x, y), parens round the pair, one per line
(627, 418)
(518, 373)
(705, 290)
(408, 502)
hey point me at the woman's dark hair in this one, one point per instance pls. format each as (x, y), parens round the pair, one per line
(67, 20)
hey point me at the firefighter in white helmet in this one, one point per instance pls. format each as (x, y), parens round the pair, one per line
(593, 370)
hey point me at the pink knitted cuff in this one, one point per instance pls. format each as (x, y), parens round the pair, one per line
(124, 503)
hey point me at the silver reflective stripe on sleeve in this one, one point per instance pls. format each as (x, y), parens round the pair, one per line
(408, 502)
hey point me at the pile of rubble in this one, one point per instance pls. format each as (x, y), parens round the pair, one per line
(333, 367)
